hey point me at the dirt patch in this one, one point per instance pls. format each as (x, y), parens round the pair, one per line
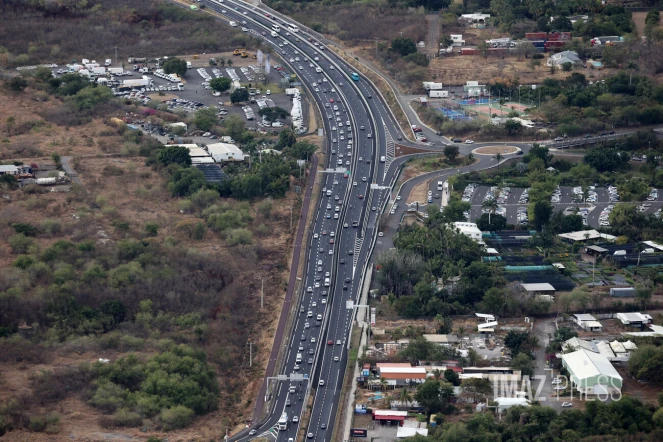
(419, 192)
(493, 150)
(639, 20)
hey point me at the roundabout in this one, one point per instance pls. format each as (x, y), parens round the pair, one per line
(494, 150)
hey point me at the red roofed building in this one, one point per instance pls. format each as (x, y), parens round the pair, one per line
(389, 415)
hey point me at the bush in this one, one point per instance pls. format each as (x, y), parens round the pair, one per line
(151, 228)
(176, 417)
(240, 236)
(20, 244)
(537, 56)
(126, 418)
(25, 228)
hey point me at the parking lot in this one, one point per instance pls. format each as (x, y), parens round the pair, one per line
(594, 204)
(194, 92)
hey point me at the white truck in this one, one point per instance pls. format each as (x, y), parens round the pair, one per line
(98, 70)
(116, 71)
(188, 65)
(283, 422)
(298, 359)
(326, 282)
(107, 62)
(438, 94)
(140, 82)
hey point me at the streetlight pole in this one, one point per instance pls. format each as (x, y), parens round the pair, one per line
(250, 353)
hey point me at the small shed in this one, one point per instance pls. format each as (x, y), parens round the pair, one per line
(539, 288)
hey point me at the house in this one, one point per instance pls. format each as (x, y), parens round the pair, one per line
(592, 373)
(634, 319)
(539, 288)
(469, 229)
(222, 152)
(457, 40)
(585, 235)
(8, 169)
(575, 344)
(595, 250)
(587, 322)
(563, 57)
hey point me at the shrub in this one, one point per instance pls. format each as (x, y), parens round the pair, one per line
(151, 228)
(24, 261)
(126, 418)
(240, 236)
(20, 243)
(176, 417)
(537, 56)
(25, 228)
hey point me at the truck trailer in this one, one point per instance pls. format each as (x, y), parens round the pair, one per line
(141, 82)
(438, 94)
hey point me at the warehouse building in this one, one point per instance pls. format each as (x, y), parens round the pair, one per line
(222, 152)
(592, 373)
(636, 319)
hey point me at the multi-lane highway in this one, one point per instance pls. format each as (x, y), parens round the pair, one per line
(359, 171)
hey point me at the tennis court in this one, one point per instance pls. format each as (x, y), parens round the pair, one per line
(473, 101)
(453, 114)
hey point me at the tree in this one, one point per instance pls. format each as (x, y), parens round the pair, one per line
(234, 126)
(566, 67)
(286, 139)
(432, 394)
(524, 363)
(455, 210)
(512, 126)
(451, 151)
(539, 151)
(205, 119)
(561, 24)
(185, 181)
(302, 150)
(174, 155)
(220, 84)
(151, 228)
(403, 46)
(175, 66)
(476, 388)
(239, 95)
(17, 84)
(405, 397)
(571, 223)
(491, 223)
(90, 97)
(451, 377)
(542, 211)
(273, 114)
(490, 204)
(604, 159)
(518, 342)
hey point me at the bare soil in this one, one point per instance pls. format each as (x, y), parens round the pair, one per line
(419, 192)
(639, 20)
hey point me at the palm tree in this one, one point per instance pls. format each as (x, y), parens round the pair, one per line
(405, 397)
(383, 383)
(221, 61)
(229, 63)
(491, 205)
(639, 247)
(498, 157)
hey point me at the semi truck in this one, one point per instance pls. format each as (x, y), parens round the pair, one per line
(141, 82)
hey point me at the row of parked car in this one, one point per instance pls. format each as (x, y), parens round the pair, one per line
(468, 192)
(524, 197)
(184, 105)
(604, 216)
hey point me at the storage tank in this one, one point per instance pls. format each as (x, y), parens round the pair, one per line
(46, 181)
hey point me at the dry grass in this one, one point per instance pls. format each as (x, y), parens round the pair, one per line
(492, 150)
(136, 196)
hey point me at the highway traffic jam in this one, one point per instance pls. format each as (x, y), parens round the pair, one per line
(316, 350)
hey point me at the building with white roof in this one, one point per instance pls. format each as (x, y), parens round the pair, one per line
(563, 57)
(575, 344)
(222, 152)
(585, 235)
(592, 373)
(541, 287)
(587, 322)
(469, 229)
(636, 319)
(8, 169)
(504, 403)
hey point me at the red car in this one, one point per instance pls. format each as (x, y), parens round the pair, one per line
(331, 100)
(345, 175)
(331, 241)
(361, 197)
(330, 342)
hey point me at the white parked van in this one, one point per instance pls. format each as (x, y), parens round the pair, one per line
(619, 253)
(382, 159)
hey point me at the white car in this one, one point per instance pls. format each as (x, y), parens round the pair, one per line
(567, 404)
(469, 142)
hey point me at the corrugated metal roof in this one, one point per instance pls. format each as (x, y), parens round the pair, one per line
(584, 364)
(539, 287)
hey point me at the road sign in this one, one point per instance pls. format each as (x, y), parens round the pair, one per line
(282, 377)
(349, 304)
(373, 316)
(296, 377)
(305, 375)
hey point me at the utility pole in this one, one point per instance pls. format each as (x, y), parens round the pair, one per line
(262, 294)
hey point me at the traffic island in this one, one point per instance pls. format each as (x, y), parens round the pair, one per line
(494, 150)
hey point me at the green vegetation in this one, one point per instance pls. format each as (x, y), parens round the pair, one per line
(606, 421)
(175, 65)
(220, 84)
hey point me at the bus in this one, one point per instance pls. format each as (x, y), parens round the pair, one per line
(293, 28)
(283, 422)
(276, 28)
(354, 76)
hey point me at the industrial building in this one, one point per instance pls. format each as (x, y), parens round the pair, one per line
(587, 322)
(8, 169)
(539, 288)
(636, 319)
(469, 229)
(586, 235)
(222, 152)
(592, 373)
